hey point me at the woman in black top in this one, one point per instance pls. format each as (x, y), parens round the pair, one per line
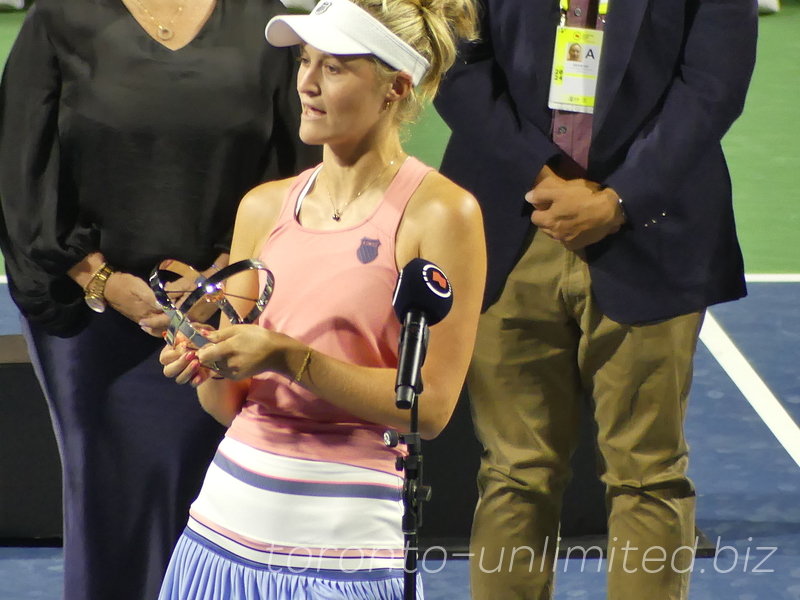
(129, 130)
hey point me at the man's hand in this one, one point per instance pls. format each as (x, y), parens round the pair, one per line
(575, 212)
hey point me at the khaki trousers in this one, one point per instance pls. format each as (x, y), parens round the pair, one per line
(542, 348)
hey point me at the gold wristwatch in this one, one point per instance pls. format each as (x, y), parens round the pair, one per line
(93, 293)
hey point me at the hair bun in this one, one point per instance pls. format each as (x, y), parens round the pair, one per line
(433, 28)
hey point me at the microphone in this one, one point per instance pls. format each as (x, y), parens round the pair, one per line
(422, 297)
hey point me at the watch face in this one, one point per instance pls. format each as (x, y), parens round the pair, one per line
(98, 305)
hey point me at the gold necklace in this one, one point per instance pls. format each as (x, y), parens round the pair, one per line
(337, 212)
(165, 32)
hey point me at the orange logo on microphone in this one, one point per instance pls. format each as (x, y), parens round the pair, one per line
(438, 277)
(436, 280)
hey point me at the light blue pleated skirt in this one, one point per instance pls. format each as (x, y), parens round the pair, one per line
(201, 570)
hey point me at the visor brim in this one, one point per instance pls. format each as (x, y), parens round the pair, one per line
(296, 29)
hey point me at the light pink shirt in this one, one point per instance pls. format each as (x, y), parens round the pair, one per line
(333, 291)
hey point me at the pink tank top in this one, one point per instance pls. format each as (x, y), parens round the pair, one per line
(333, 291)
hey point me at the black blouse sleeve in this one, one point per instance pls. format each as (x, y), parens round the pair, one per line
(40, 233)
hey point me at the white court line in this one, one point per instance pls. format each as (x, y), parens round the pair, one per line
(772, 277)
(3, 279)
(751, 385)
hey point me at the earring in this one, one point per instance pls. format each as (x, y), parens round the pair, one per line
(387, 105)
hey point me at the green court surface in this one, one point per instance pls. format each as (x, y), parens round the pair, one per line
(763, 147)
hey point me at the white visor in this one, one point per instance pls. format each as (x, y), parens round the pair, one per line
(341, 27)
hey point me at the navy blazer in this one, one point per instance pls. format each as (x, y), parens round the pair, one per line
(673, 78)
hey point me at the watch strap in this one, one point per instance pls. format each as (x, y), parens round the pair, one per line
(97, 283)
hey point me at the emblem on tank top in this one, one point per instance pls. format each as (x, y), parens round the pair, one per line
(368, 250)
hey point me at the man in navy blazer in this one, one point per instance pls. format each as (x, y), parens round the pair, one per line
(609, 234)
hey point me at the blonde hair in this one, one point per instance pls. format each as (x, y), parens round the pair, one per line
(433, 28)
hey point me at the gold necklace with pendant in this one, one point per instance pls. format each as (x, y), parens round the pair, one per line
(165, 32)
(337, 212)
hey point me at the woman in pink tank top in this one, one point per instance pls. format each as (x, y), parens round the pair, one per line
(302, 500)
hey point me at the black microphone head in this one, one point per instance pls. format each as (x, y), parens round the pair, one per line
(423, 286)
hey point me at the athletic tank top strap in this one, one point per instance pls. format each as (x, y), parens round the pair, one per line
(405, 183)
(302, 184)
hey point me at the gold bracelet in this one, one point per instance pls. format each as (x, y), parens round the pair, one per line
(303, 367)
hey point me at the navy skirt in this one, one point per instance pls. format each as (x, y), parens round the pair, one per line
(134, 448)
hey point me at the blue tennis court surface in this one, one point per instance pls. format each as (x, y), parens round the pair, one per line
(748, 483)
(9, 316)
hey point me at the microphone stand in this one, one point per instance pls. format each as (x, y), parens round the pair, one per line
(414, 492)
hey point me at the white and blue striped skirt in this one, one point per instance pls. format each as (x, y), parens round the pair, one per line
(269, 527)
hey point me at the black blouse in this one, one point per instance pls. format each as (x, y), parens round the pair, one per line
(110, 141)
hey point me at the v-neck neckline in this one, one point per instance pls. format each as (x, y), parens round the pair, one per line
(200, 32)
